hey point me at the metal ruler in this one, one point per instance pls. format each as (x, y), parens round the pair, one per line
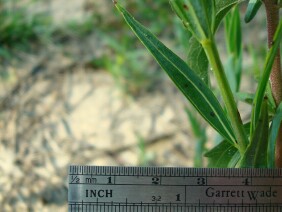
(166, 189)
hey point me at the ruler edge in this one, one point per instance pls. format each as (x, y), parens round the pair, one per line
(172, 171)
(202, 172)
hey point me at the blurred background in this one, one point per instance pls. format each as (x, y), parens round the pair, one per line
(76, 87)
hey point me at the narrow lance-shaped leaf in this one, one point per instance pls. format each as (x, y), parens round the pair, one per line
(185, 79)
(252, 9)
(265, 76)
(256, 153)
(274, 129)
(198, 16)
(221, 155)
(225, 154)
(257, 75)
(222, 8)
(233, 39)
(233, 32)
(202, 17)
(196, 56)
(197, 59)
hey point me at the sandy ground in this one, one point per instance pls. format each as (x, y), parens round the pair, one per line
(80, 117)
(55, 112)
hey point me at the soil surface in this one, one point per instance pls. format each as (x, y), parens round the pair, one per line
(55, 111)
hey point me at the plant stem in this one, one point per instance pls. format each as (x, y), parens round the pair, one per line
(272, 16)
(278, 150)
(228, 98)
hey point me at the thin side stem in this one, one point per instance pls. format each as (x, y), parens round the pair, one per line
(228, 98)
(272, 16)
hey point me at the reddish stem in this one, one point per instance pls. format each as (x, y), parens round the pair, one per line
(272, 15)
(278, 153)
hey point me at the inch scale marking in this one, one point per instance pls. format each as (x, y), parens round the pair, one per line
(167, 189)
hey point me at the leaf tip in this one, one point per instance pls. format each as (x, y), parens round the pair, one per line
(247, 19)
(252, 10)
(115, 2)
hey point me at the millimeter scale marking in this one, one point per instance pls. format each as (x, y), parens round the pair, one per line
(168, 189)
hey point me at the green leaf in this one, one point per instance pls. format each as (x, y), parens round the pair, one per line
(233, 37)
(249, 99)
(245, 97)
(235, 160)
(182, 34)
(185, 79)
(233, 32)
(198, 16)
(222, 8)
(221, 155)
(233, 70)
(197, 59)
(216, 11)
(274, 129)
(247, 127)
(225, 154)
(256, 153)
(265, 77)
(196, 56)
(272, 104)
(252, 9)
